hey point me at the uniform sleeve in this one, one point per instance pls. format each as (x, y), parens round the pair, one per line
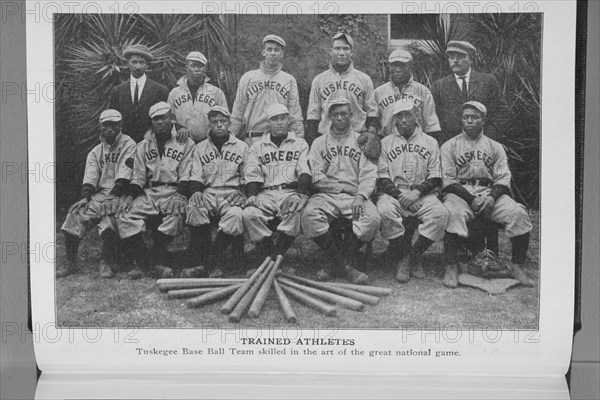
(184, 171)
(239, 107)
(253, 171)
(138, 177)
(302, 164)
(92, 173)
(370, 105)
(431, 122)
(126, 160)
(383, 168)
(297, 122)
(434, 163)
(171, 99)
(367, 177)
(197, 173)
(318, 167)
(314, 102)
(500, 172)
(242, 166)
(449, 169)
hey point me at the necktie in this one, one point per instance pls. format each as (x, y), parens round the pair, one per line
(465, 92)
(136, 94)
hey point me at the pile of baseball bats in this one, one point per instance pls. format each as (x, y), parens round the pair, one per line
(248, 296)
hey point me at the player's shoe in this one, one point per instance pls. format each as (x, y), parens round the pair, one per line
(417, 267)
(136, 272)
(162, 272)
(216, 273)
(325, 274)
(451, 276)
(354, 276)
(195, 272)
(105, 270)
(520, 275)
(403, 270)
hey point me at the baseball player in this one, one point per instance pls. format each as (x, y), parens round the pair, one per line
(262, 87)
(344, 179)
(409, 172)
(158, 188)
(107, 173)
(216, 185)
(194, 97)
(476, 181)
(277, 183)
(341, 80)
(402, 86)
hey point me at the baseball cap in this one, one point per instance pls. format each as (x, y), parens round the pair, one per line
(274, 38)
(476, 105)
(159, 109)
(345, 36)
(400, 56)
(458, 46)
(403, 105)
(276, 109)
(110, 115)
(138, 50)
(219, 110)
(196, 56)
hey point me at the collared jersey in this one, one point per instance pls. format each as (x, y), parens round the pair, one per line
(105, 163)
(174, 166)
(353, 85)
(257, 91)
(340, 160)
(409, 162)
(464, 158)
(388, 93)
(193, 112)
(224, 168)
(272, 165)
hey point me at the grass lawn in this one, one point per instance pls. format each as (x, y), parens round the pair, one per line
(85, 300)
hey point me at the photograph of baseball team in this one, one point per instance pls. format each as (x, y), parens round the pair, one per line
(392, 183)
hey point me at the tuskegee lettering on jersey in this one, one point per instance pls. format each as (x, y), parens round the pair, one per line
(409, 161)
(272, 165)
(107, 163)
(173, 166)
(223, 168)
(465, 159)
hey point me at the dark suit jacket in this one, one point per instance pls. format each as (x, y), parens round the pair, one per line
(448, 99)
(135, 118)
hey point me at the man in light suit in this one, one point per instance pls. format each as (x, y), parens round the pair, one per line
(463, 85)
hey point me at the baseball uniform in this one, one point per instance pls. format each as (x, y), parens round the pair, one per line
(159, 175)
(479, 166)
(218, 173)
(353, 85)
(388, 93)
(192, 112)
(408, 163)
(278, 170)
(105, 165)
(339, 172)
(257, 90)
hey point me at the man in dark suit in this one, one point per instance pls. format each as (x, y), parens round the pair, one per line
(463, 85)
(134, 97)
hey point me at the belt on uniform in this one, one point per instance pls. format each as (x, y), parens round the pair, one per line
(282, 186)
(157, 184)
(476, 182)
(403, 186)
(252, 134)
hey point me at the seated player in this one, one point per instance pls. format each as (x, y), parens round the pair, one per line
(277, 184)
(476, 181)
(107, 173)
(157, 190)
(409, 173)
(216, 185)
(344, 179)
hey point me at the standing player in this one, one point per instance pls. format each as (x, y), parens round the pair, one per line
(158, 188)
(216, 185)
(262, 87)
(107, 173)
(194, 97)
(277, 182)
(409, 173)
(465, 84)
(344, 179)
(402, 87)
(476, 182)
(341, 80)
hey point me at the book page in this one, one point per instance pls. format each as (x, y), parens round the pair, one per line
(490, 324)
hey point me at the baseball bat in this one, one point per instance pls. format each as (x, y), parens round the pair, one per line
(199, 280)
(241, 307)
(165, 287)
(328, 296)
(210, 297)
(188, 293)
(261, 296)
(362, 297)
(305, 299)
(372, 290)
(237, 296)
(284, 302)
